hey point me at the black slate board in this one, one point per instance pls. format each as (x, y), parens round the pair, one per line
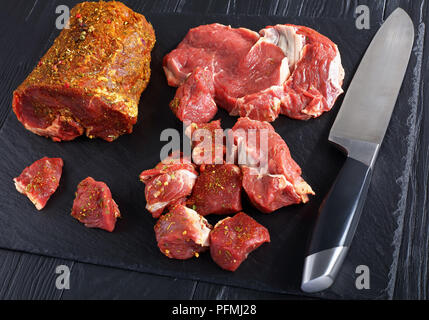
(276, 267)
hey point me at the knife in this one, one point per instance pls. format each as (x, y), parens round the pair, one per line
(359, 131)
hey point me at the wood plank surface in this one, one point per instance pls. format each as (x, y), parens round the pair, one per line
(410, 274)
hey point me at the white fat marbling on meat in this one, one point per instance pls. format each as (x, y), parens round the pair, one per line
(175, 76)
(284, 70)
(199, 223)
(284, 182)
(336, 72)
(154, 207)
(52, 130)
(187, 173)
(21, 188)
(181, 176)
(286, 38)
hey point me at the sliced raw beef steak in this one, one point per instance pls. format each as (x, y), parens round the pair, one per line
(232, 239)
(285, 69)
(40, 180)
(271, 178)
(217, 190)
(94, 206)
(169, 183)
(90, 80)
(182, 233)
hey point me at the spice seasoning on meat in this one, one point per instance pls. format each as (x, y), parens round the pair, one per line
(168, 184)
(217, 190)
(232, 239)
(182, 233)
(40, 180)
(94, 206)
(90, 80)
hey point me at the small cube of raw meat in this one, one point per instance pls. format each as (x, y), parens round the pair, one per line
(94, 206)
(40, 180)
(232, 239)
(168, 183)
(194, 99)
(208, 143)
(217, 190)
(182, 233)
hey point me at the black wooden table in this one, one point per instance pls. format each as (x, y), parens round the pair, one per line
(29, 276)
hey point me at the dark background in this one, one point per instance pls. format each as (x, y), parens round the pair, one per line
(27, 276)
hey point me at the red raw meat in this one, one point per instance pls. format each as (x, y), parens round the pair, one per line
(205, 137)
(40, 180)
(217, 190)
(94, 206)
(194, 99)
(168, 183)
(232, 239)
(90, 81)
(317, 77)
(182, 233)
(285, 69)
(274, 179)
(205, 46)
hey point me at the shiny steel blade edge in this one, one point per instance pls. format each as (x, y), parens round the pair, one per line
(364, 116)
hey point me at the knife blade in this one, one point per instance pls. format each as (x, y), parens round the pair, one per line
(359, 129)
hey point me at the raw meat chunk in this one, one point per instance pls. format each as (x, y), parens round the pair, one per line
(271, 178)
(217, 190)
(269, 192)
(168, 183)
(90, 81)
(194, 99)
(206, 46)
(232, 239)
(287, 69)
(94, 206)
(208, 143)
(315, 83)
(40, 180)
(182, 233)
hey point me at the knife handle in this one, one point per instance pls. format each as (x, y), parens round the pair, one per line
(340, 212)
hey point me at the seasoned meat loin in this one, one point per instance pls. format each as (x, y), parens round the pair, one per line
(232, 239)
(90, 81)
(217, 190)
(40, 180)
(182, 233)
(94, 206)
